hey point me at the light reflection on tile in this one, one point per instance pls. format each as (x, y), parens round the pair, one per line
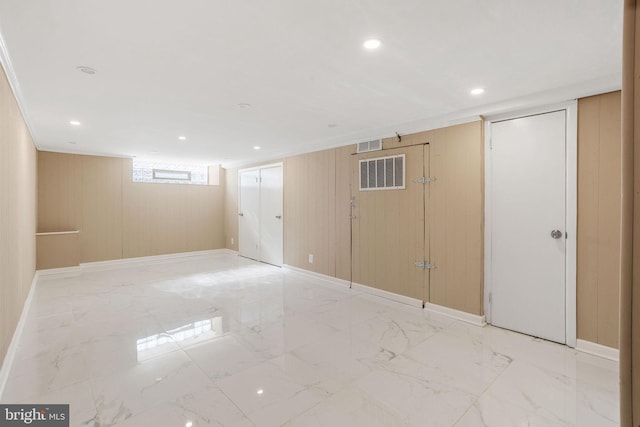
(222, 340)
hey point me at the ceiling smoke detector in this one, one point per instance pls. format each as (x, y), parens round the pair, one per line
(85, 69)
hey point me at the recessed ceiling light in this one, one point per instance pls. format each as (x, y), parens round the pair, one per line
(244, 105)
(256, 147)
(260, 391)
(477, 91)
(86, 70)
(372, 44)
(188, 424)
(74, 122)
(182, 138)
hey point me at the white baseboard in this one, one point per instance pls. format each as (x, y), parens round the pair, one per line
(17, 334)
(126, 262)
(387, 295)
(473, 319)
(61, 272)
(333, 280)
(598, 350)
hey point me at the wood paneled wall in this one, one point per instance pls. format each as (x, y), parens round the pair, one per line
(316, 212)
(456, 224)
(18, 189)
(455, 213)
(599, 201)
(118, 218)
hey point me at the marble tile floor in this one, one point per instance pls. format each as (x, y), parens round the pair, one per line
(224, 341)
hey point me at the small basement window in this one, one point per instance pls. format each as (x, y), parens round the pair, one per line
(169, 172)
(382, 173)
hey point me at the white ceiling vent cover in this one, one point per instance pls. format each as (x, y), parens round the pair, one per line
(373, 145)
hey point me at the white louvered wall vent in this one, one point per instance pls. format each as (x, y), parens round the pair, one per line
(382, 173)
(374, 145)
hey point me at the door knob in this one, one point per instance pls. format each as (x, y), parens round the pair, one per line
(240, 214)
(279, 216)
(556, 234)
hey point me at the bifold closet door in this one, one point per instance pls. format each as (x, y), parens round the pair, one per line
(271, 228)
(249, 212)
(260, 225)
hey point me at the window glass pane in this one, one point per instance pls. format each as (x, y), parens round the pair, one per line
(169, 173)
(380, 174)
(388, 172)
(364, 181)
(372, 174)
(399, 172)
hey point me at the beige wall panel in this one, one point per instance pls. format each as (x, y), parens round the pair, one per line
(309, 211)
(59, 181)
(204, 216)
(55, 251)
(599, 181)
(456, 227)
(342, 239)
(101, 209)
(231, 209)
(118, 218)
(588, 202)
(609, 212)
(18, 216)
(153, 218)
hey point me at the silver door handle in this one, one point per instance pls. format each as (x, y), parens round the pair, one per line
(240, 214)
(556, 234)
(279, 216)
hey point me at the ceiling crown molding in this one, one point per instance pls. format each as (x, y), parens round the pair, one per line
(5, 62)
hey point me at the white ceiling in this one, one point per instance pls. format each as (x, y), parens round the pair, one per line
(167, 68)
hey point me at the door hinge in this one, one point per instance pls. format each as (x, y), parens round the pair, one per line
(423, 264)
(424, 179)
(490, 297)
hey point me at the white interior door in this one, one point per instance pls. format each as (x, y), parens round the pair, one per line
(528, 225)
(249, 212)
(271, 237)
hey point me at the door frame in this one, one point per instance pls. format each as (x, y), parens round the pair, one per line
(239, 205)
(571, 205)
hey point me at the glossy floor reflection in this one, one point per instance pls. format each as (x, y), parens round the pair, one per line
(224, 341)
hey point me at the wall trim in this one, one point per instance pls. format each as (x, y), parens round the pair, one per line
(599, 350)
(332, 280)
(571, 108)
(7, 65)
(7, 364)
(124, 262)
(62, 271)
(387, 295)
(463, 316)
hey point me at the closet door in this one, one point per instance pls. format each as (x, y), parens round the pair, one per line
(271, 229)
(249, 212)
(260, 234)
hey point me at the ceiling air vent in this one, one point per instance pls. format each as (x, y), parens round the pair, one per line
(374, 145)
